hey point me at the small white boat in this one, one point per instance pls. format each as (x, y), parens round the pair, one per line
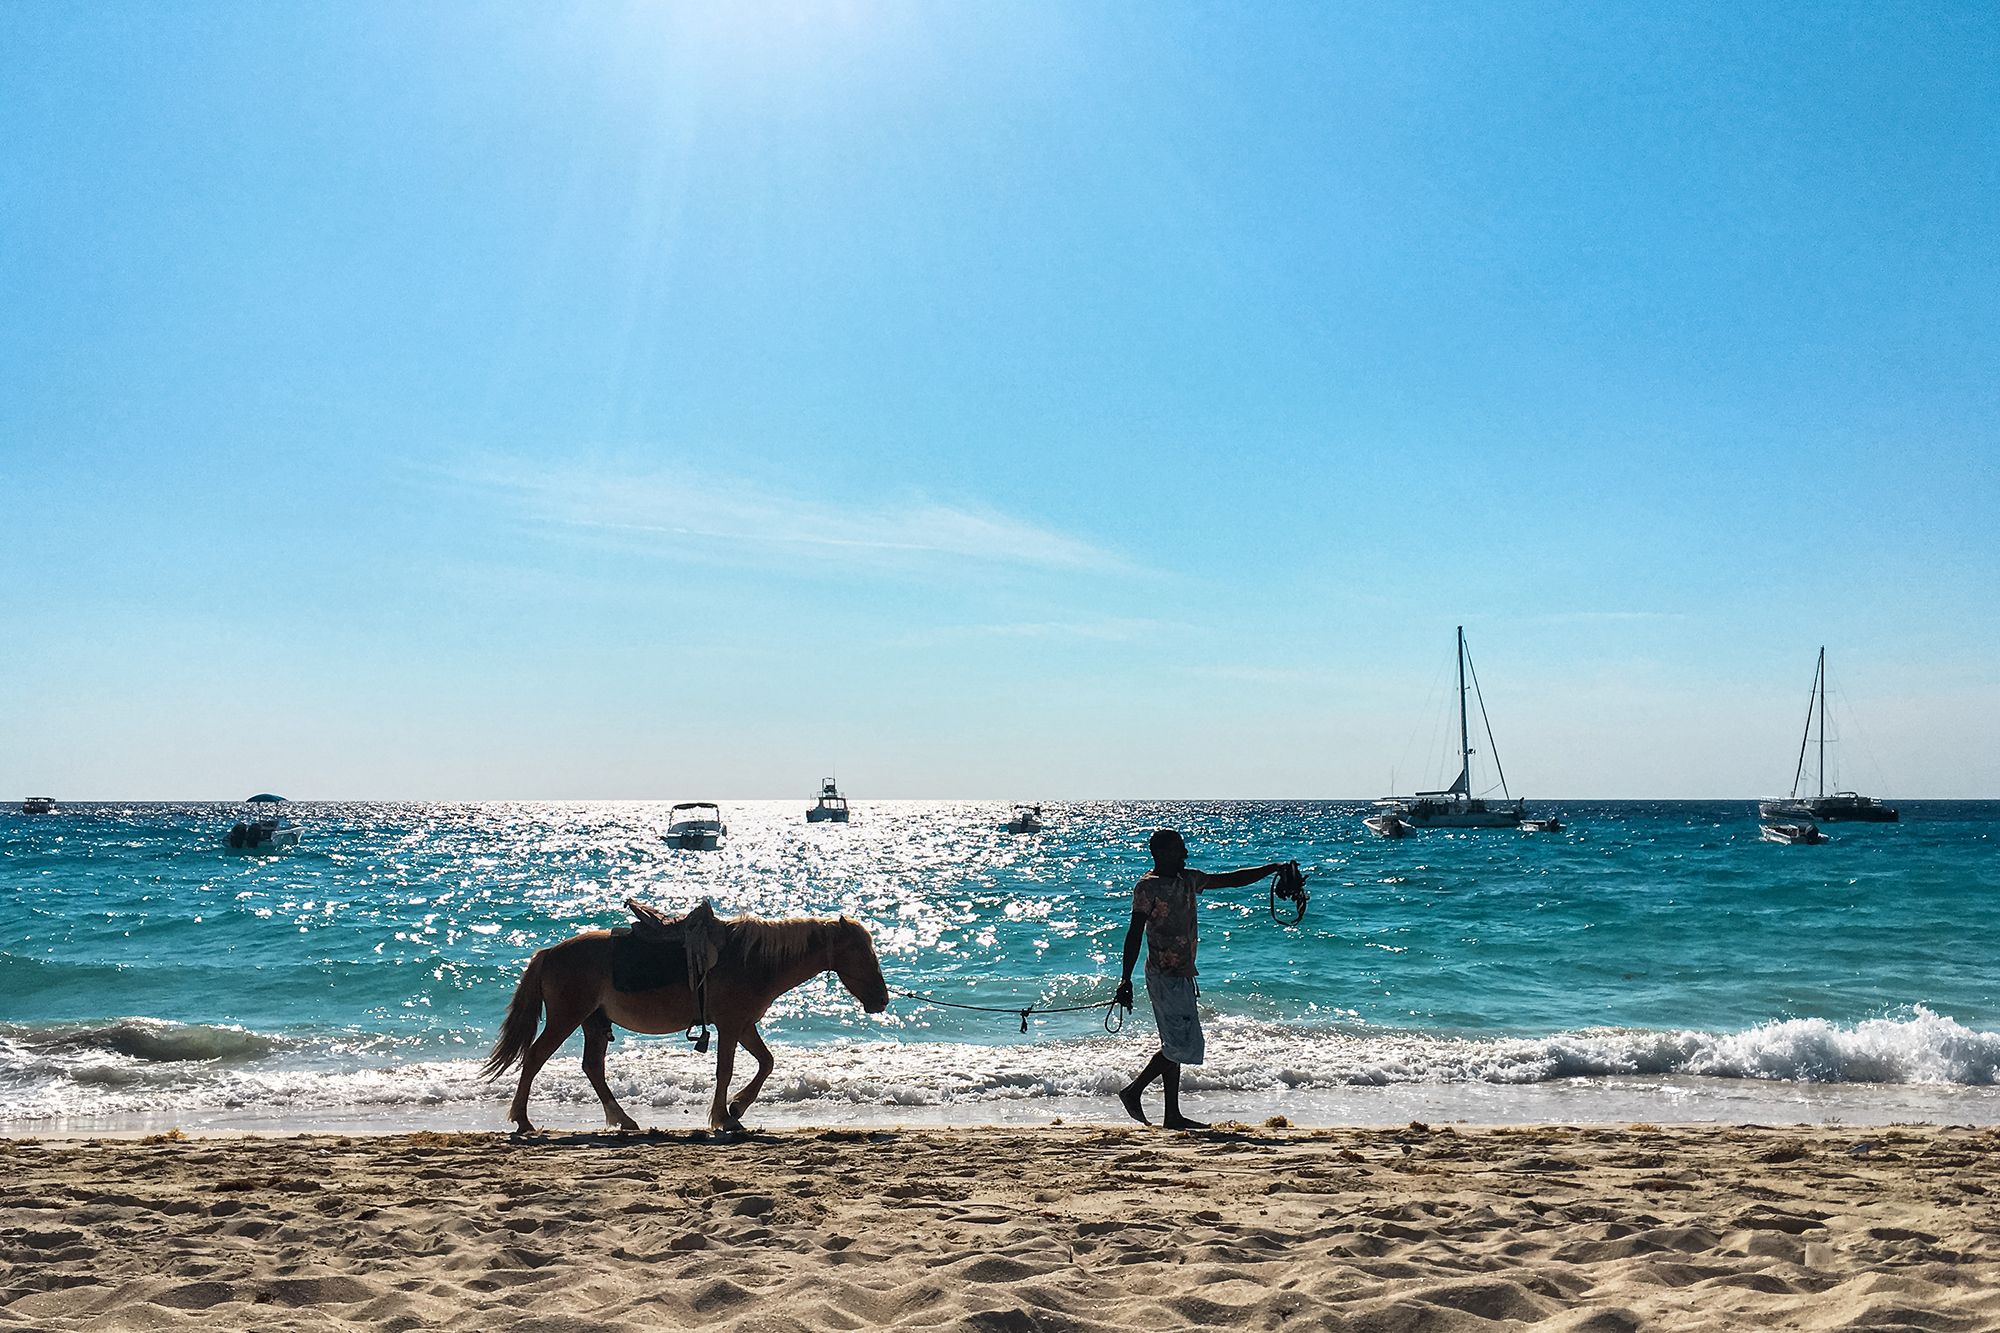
(831, 807)
(1388, 824)
(1027, 819)
(39, 805)
(1549, 825)
(696, 826)
(1795, 834)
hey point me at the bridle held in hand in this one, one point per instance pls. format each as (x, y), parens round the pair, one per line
(1289, 884)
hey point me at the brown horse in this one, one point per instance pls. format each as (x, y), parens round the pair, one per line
(759, 961)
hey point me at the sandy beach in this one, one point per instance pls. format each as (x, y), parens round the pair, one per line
(1060, 1228)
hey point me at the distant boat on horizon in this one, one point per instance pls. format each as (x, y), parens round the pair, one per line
(262, 833)
(1841, 805)
(831, 808)
(39, 805)
(1027, 819)
(1455, 806)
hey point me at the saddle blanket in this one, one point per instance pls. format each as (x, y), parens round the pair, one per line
(639, 964)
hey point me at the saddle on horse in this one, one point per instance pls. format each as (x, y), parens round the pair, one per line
(660, 950)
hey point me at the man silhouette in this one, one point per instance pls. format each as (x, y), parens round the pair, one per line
(1163, 918)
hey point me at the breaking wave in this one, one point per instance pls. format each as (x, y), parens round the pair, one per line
(139, 1066)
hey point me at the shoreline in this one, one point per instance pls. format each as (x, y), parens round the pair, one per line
(1419, 1227)
(563, 1104)
(1601, 1102)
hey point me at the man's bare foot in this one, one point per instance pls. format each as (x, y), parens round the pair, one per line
(1182, 1122)
(1130, 1096)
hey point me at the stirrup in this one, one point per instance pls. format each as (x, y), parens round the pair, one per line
(700, 1043)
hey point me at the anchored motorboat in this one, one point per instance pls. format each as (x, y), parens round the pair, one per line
(1841, 806)
(831, 808)
(696, 826)
(1388, 823)
(1455, 806)
(39, 805)
(258, 832)
(1800, 834)
(1027, 819)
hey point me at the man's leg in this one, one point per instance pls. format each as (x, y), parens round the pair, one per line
(1174, 1119)
(1157, 1067)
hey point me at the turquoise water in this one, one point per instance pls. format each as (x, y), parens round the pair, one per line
(146, 972)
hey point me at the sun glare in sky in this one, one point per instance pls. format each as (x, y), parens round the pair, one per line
(1040, 400)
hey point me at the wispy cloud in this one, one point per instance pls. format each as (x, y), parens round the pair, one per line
(692, 509)
(1114, 630)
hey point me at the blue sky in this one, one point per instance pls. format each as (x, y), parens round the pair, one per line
(993, 400)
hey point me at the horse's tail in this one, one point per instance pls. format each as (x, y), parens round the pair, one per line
(524, 1015)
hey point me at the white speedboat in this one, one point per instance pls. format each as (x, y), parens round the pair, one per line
(1455, 806)
(831, 808)
(696, 826)
(1549, 825)
(1388, 824)
(1027, 819)
(1795, 834)
(1841, 806)
(39, 805)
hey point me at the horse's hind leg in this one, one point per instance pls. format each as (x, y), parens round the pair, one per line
(596, 1037)
(560, 1024)
(753, 1043)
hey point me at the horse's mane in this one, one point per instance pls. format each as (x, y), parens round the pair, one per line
(763, 944)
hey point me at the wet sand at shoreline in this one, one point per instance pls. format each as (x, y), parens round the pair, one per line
(1061, 1228)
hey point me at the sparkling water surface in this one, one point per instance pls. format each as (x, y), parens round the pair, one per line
(1660, 949)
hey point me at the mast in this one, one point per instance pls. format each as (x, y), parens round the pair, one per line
(1464, 736)
(1821, 681)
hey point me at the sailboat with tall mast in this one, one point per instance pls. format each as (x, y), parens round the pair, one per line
(1841, 805)
(1456, 806)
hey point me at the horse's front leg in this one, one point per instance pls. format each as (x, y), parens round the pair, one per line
(753, 1042)
(596, 1038)
(725, 1065)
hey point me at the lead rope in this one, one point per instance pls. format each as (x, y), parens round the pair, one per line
(1114, 1021)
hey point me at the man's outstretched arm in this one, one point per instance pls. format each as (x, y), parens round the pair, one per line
(1236, 879)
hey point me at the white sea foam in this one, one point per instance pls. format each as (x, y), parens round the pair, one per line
(146, 1066)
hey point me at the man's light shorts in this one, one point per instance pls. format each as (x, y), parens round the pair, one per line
(1175, 1015)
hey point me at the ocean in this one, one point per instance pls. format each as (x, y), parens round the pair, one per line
(1653, 962)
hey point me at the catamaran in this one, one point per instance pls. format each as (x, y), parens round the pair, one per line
(1841, 805)
(1456, 806)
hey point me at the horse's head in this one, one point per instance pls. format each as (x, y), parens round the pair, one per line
(851, 955)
